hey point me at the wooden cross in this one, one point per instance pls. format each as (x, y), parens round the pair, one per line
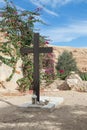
(36, 50)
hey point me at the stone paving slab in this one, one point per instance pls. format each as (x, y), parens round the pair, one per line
(53, 103)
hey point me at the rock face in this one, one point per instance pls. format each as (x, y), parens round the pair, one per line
(5, 72)
(73, 82)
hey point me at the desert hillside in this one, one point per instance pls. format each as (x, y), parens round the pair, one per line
(80, 54)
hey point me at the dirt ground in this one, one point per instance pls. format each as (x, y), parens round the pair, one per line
(70, 115)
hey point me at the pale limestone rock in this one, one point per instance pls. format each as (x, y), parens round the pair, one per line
(5, 72)
(73, 82)
(18, 74)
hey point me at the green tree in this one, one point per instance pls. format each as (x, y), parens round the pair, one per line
(66, 63)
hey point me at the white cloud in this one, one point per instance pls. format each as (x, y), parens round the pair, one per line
(53, 4)
(1, 1)
(56, 3)
(50, 12)
(67, 33)
(41, 5)
(20, 8)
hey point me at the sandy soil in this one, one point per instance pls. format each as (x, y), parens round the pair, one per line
(71, 115)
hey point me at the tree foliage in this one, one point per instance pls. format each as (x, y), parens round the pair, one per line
(66, 63)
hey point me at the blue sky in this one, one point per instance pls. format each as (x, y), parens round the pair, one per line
(66, 20)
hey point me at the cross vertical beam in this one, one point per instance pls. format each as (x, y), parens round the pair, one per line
(36, 50)
(36, 66)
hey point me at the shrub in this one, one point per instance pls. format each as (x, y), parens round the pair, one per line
(66, 63)
(47, 73)
(17, 27)
(83, 75)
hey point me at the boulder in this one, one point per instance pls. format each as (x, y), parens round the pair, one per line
(73, 82)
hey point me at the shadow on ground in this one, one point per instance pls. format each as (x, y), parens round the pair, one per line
(64, 118)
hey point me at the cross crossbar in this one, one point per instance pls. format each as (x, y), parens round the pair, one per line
(27, 50)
